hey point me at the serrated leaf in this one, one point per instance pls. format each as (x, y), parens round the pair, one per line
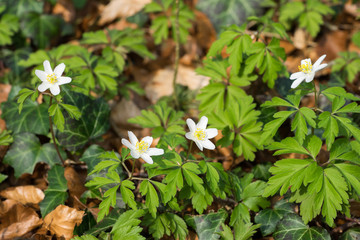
(126, 192)
(292, 227)
(152, 198)
(105, 224)
(126, 226)
(5, 138)
(56, 193)
(93, 123)
(330, 126)
(33, 118)
(26, 152)
(97, 37)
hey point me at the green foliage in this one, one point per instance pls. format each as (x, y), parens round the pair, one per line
(319, 189)
(207, 226)
(85, 237)
(269, 218)
(26, 152)
(9, 25)
(351, 234)
(168, 224)
(2, 177)
(105, 224)
(33, 117)
(166, 16)
(346, 67)
(292, 227)
(93, 123)
(309, 15)
(5, 137)
(163, 119)
(126, 226)
(240, 127)
(56, 193)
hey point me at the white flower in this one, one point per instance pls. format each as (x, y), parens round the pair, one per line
(141, 149)
(307, 71)
(52, 79)
(200, 135)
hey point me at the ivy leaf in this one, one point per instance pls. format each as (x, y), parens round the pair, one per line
(127, 225)
(292, 227)
(26, 152)
(56, 193)
(207, 226)
(33, 118)
(269, 218)
(93, 123)
(351, 234)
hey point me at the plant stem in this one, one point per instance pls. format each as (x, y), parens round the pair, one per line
(188, 152)
(133, 168)
(177, 52)
(316, 105)
(53, 135)
(126, 169)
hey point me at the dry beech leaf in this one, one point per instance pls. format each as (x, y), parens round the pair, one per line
(62, 221)
(24, 194)
(16, 220)
(121, 8)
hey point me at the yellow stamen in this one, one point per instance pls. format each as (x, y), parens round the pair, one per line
(305, 67)
(142, 146)
(199, 134)
(51, 78)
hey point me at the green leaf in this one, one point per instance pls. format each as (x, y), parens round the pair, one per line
(252, 196)
(226, 233)
(356, 39)
(9, 25)
(351, 173)
(269, 218)
(152, 198)
(261, 171)
(85, 237)
(2, 177)
(5, 137)
(126, 192)
(330, 126)
(73, 111)
(126, 226)
(108, 201)
(288, 145)
(207, 226)
(93, 123)
(55, 111)
(105, 224)
(190, 171)
(244, 231)
(26, 152)
(56, 193)
(351, 234)
(292, 227)
(33, 118)
(312, 21)
(97, 37)
(332, 92)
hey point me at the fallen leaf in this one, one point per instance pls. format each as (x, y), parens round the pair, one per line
(121, 8)
(66, 9)
(75, 181)
(23, 194)
(62, 221)
(16, 220)
(300, 39)
(205, 32)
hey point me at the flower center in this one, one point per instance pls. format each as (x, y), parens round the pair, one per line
(305, 67)
(200, 134)
(142, 146)
(51, 78)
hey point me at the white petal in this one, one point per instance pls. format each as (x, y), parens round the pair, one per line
(64, 80)
(310, 77)
(198, 144)
(191, 124)
(147, 158)
(133, 138)
(318, 62)
(134, 154)
(202, 123)
(59, 69)
(47, 67)
(296, 75)
(208, 145)
(211, 132)
(324, 65)
(41, 74)
(127, 144)
(155, 151)
(148, 140)
(297, 82)
(55, 89)
(189, 135)
(306, 61)
(43, 87)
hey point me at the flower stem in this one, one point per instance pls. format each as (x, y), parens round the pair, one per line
(53, 135)
(316, 105)
(133, 168)
(177, 52)
(188, 152)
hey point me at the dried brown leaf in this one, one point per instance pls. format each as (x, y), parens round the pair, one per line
(16, 220)
(24, 194)
(121, 8)
(62, 221)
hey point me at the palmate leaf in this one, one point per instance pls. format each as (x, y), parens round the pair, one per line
(5, 138)
(93, 123)
(152, 198)
(9, 24)
(207, 226)
(292, 227)
(56, 193)
(347, 65)
(33, 118)
(269, 218)
(126, 226)
(26, 152)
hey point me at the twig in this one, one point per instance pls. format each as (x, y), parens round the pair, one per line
(53, 135)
